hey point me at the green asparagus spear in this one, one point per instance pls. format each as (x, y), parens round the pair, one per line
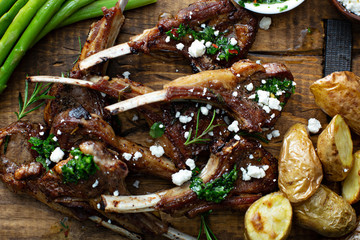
(8, 17)
(66, 10)
(5, 5)
(94, 10)
(38, 22)
(17, 26)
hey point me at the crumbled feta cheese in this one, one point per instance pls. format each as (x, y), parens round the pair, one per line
(351, 5)
(177, 114)
(208, 44)
(58, 132)
(234, 126)
(48, 162)
(204, 111)
(57, 155)
(314, 125)
(216, 33)
(197, 49)
(269, 136)
(190, 163)
(263, 81)
(126, 74)
(267, 109)
(253, 172)
(116, 193)
(211, 133)
(109, 221)
(190, 14)
(96, 183)
(137, 155)
(208, 106)
(181, 176)
(185, 119)
(272, 116)
(157, 151)
(203, 25)
(186, 135)
(41, 133)
(136, 183)
(167, 39)
(253, 96)
(180, 46)
(251, 156)
(135, 118)
(161, 125)
(233, 41)
(263, 97)
(275, 133)
(237, 137)
(250, 87)
(127, 156)
(258, 61)
(274, 103)
(98, 205)
(265, 23)
(235, 94)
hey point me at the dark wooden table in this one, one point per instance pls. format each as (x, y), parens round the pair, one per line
(287, 41)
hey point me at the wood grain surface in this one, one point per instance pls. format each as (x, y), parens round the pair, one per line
(287, 41)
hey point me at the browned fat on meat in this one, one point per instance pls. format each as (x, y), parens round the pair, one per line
(221, 14)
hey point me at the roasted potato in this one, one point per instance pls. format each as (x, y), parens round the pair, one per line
(326, 213)
(300, 171)
(334, 148)
(339, 93)
(351, 184)
(269, 218)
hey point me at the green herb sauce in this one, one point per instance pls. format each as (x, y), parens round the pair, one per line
(44, 148)
(216, 190)
(157, 130)
(220, 45)
(258, 2)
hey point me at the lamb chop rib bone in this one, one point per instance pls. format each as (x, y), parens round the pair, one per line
(220, 14)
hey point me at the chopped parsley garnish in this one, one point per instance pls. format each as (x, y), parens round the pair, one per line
(157, 130)
(274, 85)
(220, 45)
(199, 139)
(215, 190)
(44, 148)
(78, 168)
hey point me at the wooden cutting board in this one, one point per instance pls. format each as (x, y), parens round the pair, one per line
(287, 41)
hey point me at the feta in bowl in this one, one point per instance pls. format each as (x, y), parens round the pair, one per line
(269, 6)
(349, 8)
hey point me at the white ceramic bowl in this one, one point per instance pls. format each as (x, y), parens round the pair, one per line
(274, 8)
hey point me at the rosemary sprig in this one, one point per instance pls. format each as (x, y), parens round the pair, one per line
(39, 93)
(208, 233)
(80, 49)
(199, 139)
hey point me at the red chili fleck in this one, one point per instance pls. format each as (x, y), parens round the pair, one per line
(233, 51)
(174, 32)
(215, 46)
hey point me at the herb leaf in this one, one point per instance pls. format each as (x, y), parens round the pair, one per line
(80, 167)
(199, 139)
(39, 93)
(157, 130)
(216, 190)
(208, 233)
(44, 148)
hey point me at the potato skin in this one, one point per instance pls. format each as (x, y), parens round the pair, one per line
(326, 213)
(269, 217)
(339, 93)
(351, 184)
(336, 162)
(300, 170)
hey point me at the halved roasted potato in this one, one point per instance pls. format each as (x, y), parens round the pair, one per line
(334, 148)
(326, 213)
(339, 93)
(300, 171)
(351, 184)
(269, 218)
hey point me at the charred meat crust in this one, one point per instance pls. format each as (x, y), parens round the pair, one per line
(221, 14)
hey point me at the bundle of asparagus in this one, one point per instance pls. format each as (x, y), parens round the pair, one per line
(24, 22)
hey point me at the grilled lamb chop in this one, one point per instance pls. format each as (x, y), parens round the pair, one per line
(74, 126)
(236, 24)
(226, 88)
(182, 200)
